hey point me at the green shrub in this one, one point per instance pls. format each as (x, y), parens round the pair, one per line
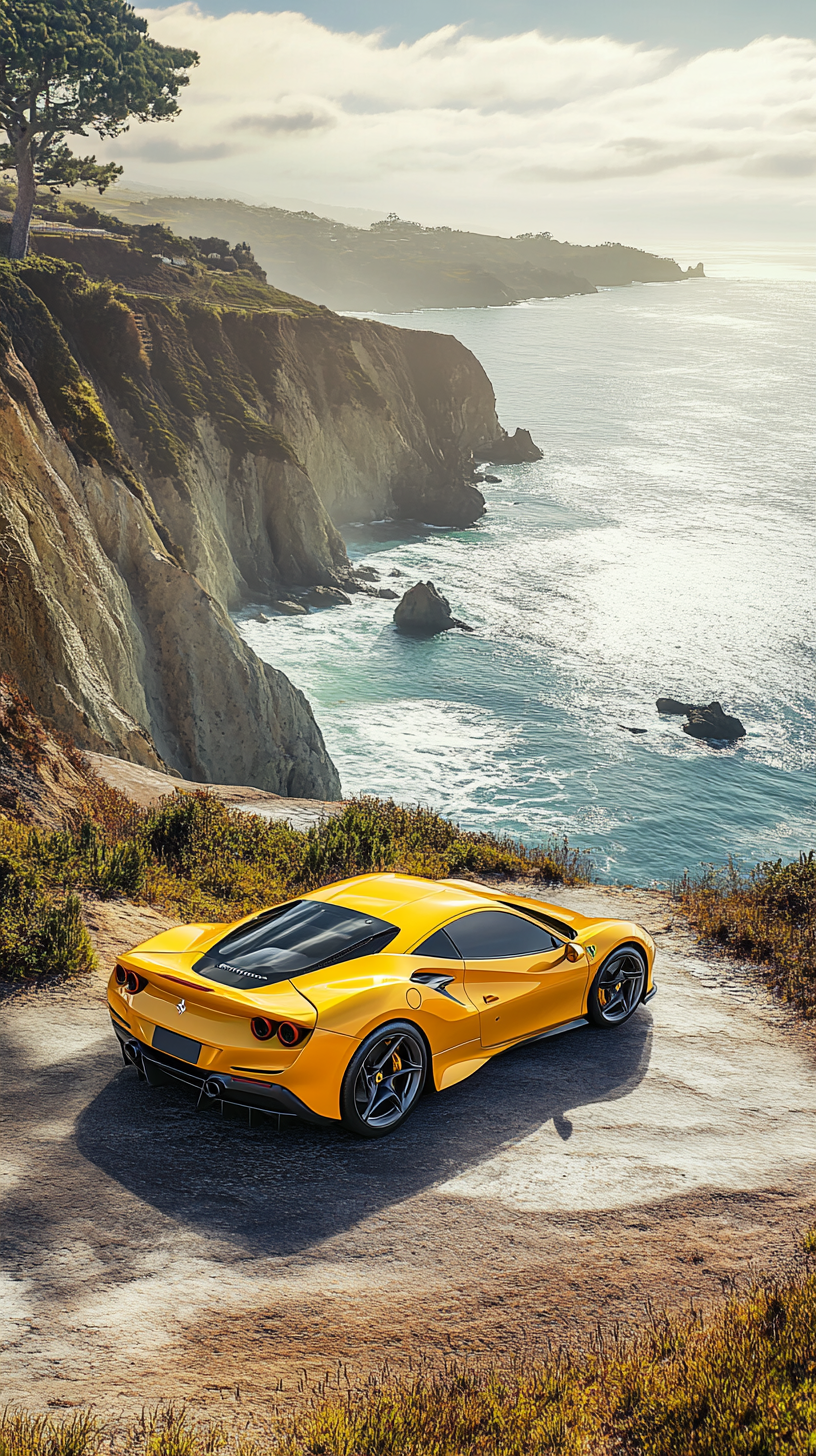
(41, 932)
(110, 869)
(767, 915)
(62, 945)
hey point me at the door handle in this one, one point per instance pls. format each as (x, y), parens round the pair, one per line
(488, 999)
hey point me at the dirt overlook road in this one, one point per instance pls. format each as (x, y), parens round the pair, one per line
(149, 1251)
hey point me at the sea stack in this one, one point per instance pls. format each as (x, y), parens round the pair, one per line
(423, 612)
(515, 449)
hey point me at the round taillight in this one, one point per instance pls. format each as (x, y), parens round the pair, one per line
(133, 983)
(121, 975)
(573, 952)
(262, 1028)
(289, 1034)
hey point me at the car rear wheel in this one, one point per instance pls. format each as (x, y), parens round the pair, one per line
(384, 1080)
(616, 992)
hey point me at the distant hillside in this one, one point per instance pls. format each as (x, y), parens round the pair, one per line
(397, 265)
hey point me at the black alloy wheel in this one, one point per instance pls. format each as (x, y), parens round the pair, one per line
(616, 992)
(384, 1080)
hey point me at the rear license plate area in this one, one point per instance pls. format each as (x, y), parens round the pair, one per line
(182, 1047)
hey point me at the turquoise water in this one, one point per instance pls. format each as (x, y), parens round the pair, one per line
(664, 545)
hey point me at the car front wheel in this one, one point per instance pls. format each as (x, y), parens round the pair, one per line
(384, 1080)
(616, 992)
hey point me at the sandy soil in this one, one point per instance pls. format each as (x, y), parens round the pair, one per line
(149, 1251)
(147, 787)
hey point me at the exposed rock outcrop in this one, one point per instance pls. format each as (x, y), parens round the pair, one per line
(673, 706)
(704, 720)
(423, 612)
(42, 777)
(712, 722)
(507, 449)
(321, 597)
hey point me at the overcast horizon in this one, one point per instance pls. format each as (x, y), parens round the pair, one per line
(651, 132)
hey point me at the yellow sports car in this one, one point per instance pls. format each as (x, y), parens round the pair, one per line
(342, 1006)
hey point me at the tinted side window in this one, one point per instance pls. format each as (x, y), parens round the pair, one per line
(440, 945)
(492, 935)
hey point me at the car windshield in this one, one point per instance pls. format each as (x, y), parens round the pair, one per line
(290, 941)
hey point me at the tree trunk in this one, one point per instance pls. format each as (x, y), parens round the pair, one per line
(26, 192)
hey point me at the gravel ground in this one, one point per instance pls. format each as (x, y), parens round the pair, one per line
(152, 1252)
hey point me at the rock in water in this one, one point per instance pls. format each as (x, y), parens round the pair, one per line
(423, 612)
(510, 449)
(712, 722)
(290, 609)
(321, 597)
(704, 720)
(673, 705)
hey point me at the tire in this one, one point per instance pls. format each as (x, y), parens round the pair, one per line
(377, 1095)
(617, 989)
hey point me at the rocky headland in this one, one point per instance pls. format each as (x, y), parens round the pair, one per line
(398, 265)
(172, 445)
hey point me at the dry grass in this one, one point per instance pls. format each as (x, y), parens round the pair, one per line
(741, 1382)
(768, 916)
(203, 861)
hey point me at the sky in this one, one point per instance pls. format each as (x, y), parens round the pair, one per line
(632, 121)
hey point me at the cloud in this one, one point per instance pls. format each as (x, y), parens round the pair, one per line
(166, 150)
(280, 102)
(286, 121)
(782, 164)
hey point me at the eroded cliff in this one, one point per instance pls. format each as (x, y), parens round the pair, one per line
(163, 459)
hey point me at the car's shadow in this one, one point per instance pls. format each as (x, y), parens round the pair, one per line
(277, 1193)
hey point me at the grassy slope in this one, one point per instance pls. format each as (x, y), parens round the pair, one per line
(767, 915)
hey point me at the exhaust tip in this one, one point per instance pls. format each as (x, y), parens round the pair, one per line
(133, 1052)
(215, 1087)
(289, 1034)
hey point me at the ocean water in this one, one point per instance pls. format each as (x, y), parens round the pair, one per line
(664, 545)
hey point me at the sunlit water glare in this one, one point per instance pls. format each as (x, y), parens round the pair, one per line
(664, 545)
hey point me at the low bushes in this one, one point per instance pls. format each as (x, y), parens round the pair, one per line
(767, 915)
(203, 861)
(41, 927)
(230, 862)
(741, 1382)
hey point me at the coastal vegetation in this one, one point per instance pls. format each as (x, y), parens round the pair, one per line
(741, 1379)
(200, 860)
(768, 915)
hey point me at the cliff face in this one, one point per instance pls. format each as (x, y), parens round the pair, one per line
(115, 642)
(385, 420)
(161, 461)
